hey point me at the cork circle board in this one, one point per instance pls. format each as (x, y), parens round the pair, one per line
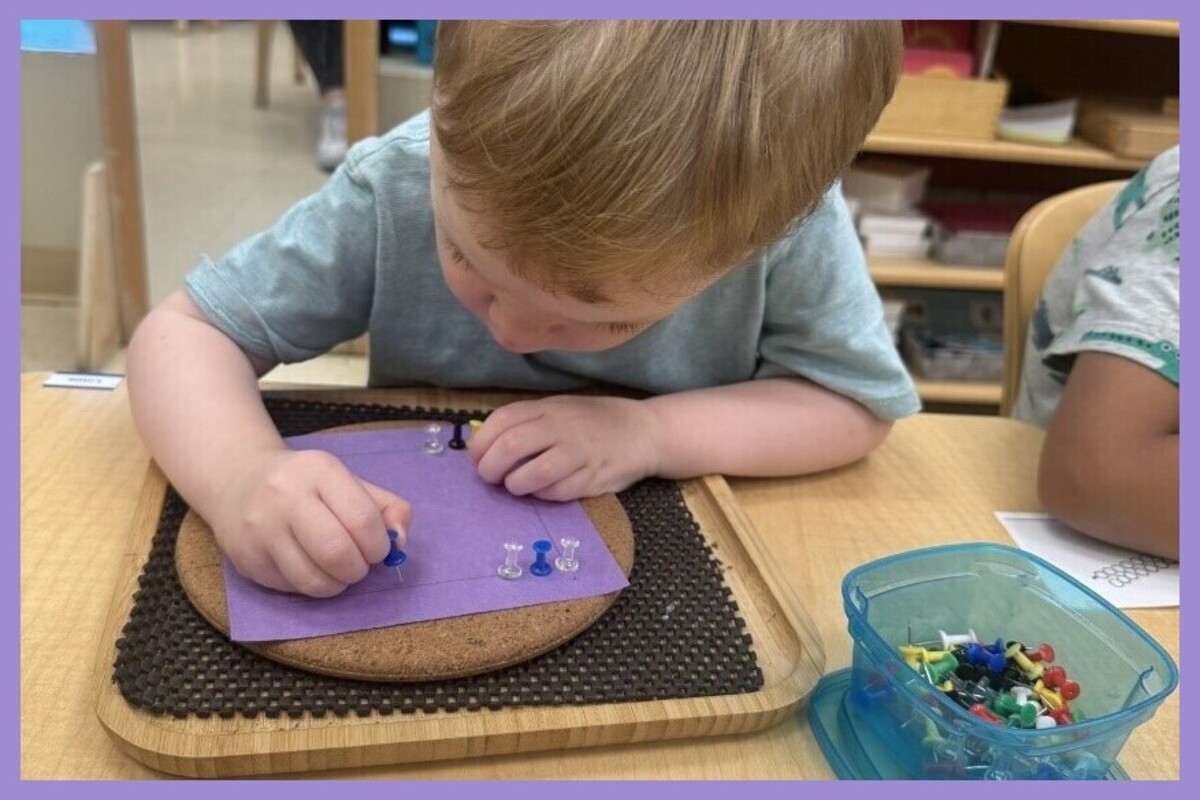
(421, 651)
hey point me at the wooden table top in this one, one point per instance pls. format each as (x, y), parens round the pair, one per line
(936, 480)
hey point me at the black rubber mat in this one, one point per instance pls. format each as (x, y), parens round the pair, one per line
(674, 632)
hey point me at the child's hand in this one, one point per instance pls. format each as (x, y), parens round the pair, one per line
(567, 447)
(300, 521)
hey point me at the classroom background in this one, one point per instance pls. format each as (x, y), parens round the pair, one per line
(210, 128)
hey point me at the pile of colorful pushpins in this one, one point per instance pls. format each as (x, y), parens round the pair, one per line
(1004, 683)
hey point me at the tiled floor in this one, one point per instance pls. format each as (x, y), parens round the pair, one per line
(215, 169)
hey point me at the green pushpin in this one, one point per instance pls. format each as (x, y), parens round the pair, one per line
(1006, 705)
(933, 736)
(940, 669)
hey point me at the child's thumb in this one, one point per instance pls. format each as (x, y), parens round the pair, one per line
(395, 510)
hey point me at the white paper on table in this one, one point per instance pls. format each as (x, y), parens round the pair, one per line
(1125, 578)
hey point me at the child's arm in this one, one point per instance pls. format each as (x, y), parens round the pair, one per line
(772, 427)
(566, 447)
(293, 521)
(1110, 463)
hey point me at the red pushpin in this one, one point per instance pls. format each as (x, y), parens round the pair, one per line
(1056, 678)
(1053, 677)
(981, 711)
(1044, 653)
(1061, 715)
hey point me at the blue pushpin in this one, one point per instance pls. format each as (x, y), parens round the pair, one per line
(540, 566)
(395, 557)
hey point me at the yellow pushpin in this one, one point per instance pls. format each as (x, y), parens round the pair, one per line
(475, 424)
(913, 655)
(1033, 670)
(1052, 698)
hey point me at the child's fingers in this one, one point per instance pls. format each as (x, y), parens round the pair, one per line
(328, 544)
(397, 516)
(536, 474)
(357, 513)
(500, 421)
(300, 572)
(572, 487)
(261, 570)
(512, 448)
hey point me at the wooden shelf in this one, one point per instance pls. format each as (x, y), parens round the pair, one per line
(1076, 153)
(924, 273)
(1146, 27)
(971, 393)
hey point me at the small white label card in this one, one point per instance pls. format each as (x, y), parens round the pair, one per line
(84, 380)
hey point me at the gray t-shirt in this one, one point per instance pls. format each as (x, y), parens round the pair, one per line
(359, 256)
(1115, 289)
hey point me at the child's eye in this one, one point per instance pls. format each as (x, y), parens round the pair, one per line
(623, 327)
(456, 255)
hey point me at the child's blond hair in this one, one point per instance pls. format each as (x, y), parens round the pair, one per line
(656, 154)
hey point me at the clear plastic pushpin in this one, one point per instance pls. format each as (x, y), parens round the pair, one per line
(433, 442)
(510, 569)
(567, 561)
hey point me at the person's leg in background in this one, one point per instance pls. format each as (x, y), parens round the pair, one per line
(322, 44)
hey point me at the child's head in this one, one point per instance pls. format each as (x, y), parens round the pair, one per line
(599, 161)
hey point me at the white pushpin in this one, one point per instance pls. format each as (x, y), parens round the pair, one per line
(955, 640)
(433, 444)
(567, 561)
(1021, 694)
(510, 569)
(1045, 722)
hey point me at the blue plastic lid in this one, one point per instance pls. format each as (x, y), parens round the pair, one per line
(852, 751)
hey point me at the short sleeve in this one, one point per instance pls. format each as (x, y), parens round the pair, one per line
(1126, 298)
(306, 284)
(824, 319)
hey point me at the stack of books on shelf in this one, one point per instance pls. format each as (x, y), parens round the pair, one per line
(886, 195)
(971, 228)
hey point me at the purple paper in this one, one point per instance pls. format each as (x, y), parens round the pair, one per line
(460, 524)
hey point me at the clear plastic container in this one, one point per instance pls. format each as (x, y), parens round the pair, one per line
(998, 592)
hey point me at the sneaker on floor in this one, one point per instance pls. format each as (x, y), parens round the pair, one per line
(331, 147)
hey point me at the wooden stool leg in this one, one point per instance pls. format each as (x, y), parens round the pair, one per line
(262, 86)
(98, 332)
(297, 65)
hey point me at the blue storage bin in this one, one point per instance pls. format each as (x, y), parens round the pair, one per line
(890, 722)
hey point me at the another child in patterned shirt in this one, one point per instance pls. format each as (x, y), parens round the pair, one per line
(1102, 370)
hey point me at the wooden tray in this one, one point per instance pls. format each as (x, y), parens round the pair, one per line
(787, 646)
